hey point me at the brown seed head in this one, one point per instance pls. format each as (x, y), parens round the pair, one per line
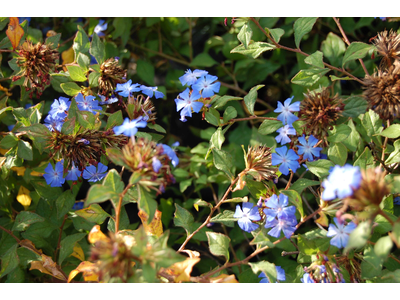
(110, 75)
(388, 46)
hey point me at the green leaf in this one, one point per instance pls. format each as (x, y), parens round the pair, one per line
(223, 161)
(64, 203)
(301, 27)
(269, 126)
(226, 218)
(210, 118)
(218, 101)
(147, 203)
(86, 119)
(320, 167)
(261, 239)
(356, 50)
(229, 114)
(53, 41)
(218, 244)
(268, 268)
(24, 219)
(94, 79)
(67, 245)
(295, 199)
(354, 106)
(353, 139)
(244, 35)
(81, 42)
(115, 119)
(395, 235)
(251, 97)
(183, 218)
(25, 150)
(276, 33)
(372, 123)
(339, 133)
(300, 184)
(70, 88)
(203, 60)
(309, 77)
(97, 49)
(145, 71)
(306, 246)
(94, 213)
(359, 236)
(9, 141)
(364, 159)
(83, 61)
(76, 73)
(383, 246)
(394, 156)
(337, 153)
(254, 49)
(316, 59)
(9, 261)
(371, 266)
(392, 132)
(46, 192)
(333, 47)
(99, 193)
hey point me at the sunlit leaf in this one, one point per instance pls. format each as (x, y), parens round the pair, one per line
(14, 32)
(23, 197)
(224, 278)
(88, 269)
(96, 235)
(155, 226)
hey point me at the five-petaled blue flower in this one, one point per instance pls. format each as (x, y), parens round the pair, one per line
(341, 182)
(340, 232)
(59, 107)
(207, 86)
(130, 128)
(93, 174)
(286, 158)
(53, 122)
(127, 88)
(308, 149)
(54, 177)
(171, 154)
(248, 214)
(151, 91)
(191, 77)
(286, 116)
(283, 134)
(73, 174)
(187, 102)
(100, 27)
(87, 103)
(280, 275)
(278, 207)
(287, 224)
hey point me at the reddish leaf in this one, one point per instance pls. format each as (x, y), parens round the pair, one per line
(14, 32)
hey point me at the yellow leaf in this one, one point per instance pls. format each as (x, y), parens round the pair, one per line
(196, 206)
(3, 151)
(2, 161)
(89, 270)
(48, 266)
(322, 220)
(96, 235)
(20, 170)
(23, 197)
(14, 32)
(181, 271)
(78, 252)
(68, 56)
(224, 278)
(155, 226)
(34, 173)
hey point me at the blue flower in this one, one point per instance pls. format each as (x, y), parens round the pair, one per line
(22, 19)
(287, 159)
(191, 77)
(187, 103)
(151, 91)
(78, 205)
(285, 224)
(171, 154)
(278, 207)
(100, 27)
(127, 88)
(109, 101)
(73, 174)
(156, 164)
(54, 177)
(206, 86)
(246, 215)
(306, 278)
(130, 128)
(308, 149)
(286, 116)
(340, 232)
(87, 103)
(53, 122)
(59, 107)
(93, 174)
(280, 275)
(283, 134)
(396, 201)
(341, 182)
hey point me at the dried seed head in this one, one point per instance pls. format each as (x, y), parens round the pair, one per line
(110, 75)
(36, 63)
(143, 107)
(320, 111)
(382, 91)
(388, 46)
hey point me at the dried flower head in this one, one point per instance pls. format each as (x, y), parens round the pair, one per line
(110, 75)
(382, 91)
(36, 63)
(388, 46)
(147, 161)
(320, 111)
(83, 148)
(143, 107)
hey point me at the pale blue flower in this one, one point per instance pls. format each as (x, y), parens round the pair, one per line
(308, 149)
(87, 103)
(130, 128)
(207, 86)
(171, 154)
(285, 224)
(286, 116)
(278, 207)
(186, 102)
(246, 216)
(127, 88)
(100, 27)
(287, 159)
(191, 77)
(283, 134)
(340, 233)
(151, 91)
(59, 107)
(93, 174)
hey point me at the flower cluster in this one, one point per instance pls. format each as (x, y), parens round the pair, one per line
(202, 86)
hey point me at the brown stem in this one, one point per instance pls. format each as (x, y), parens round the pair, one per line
(59, 238)
(348, 42)
(119, 206)
(303, 53)
(10, 233)
(290, 180)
